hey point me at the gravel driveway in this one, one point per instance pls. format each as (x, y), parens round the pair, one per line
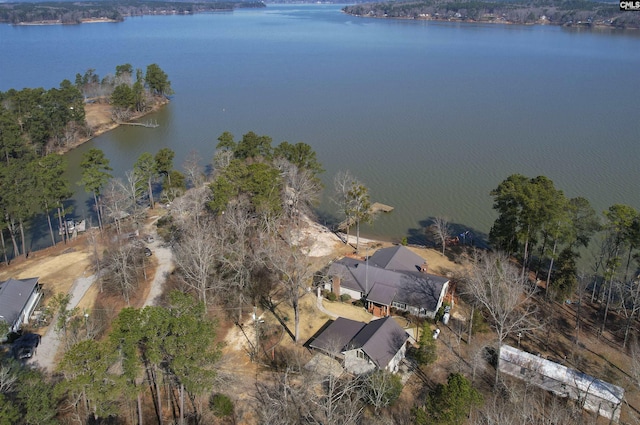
(45, 355)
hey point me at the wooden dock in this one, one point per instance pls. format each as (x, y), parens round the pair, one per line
(375, 208)
(378, 207)
(148, 124)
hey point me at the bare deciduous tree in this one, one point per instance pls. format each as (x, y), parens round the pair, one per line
(499, 288)
(122, 268)
(342, 183)
(238, 259)
(301, 192)
(282, 402)
(291, 263)
(196, 256)
(440, 230)
(338, 402)
(193, 170)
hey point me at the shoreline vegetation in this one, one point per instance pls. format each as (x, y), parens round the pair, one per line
(99, 120)
(68, 13)
(568, 13)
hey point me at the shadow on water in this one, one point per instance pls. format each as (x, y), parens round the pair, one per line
(327, 219)
(37, 233)
(462, 234)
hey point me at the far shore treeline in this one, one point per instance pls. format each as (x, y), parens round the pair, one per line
(570, 13)
(115, 11)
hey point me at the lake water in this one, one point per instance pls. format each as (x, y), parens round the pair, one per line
(430, 116)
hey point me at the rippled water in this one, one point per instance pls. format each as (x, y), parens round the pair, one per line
(430, 116)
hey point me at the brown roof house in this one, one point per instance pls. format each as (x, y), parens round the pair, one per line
(364, 347)
(18, 299)
(391, 277)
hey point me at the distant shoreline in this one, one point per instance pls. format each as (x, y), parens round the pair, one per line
(487, 12)
(586, 25)
(59, 22)
(109, 11)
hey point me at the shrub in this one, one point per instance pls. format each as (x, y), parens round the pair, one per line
(440, 312)
(345, 298)
(478, 322)
(332, 296)
(359, 303)
(427, 350)
(221, 405)
(404, 241)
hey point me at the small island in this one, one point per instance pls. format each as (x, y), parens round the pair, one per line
(569, 13)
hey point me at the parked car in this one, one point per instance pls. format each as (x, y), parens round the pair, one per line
(447, 315)
(25, 346)
(436, 333)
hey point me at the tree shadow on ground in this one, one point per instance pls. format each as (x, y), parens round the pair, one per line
(272, 307)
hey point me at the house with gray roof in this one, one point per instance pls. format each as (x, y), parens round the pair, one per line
(391, 277)
(18, 299)
(364, 347)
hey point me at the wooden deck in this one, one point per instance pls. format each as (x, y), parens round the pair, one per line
(378, 207)
(375, 208)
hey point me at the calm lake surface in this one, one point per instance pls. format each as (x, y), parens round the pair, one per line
(430, 116)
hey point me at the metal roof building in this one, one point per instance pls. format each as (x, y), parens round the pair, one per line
(592, 394)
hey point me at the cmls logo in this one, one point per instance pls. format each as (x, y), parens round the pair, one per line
(629, 5)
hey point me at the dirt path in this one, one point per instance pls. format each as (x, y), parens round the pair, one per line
(164, 258)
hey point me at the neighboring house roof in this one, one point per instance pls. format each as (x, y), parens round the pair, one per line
(14, 296)
(380, 339)
(391, 274)
(337, 335)
(398, 258)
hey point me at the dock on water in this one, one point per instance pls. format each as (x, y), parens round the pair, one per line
(148, 124)
(375, 208)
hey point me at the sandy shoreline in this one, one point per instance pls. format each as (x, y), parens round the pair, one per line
(98, 119)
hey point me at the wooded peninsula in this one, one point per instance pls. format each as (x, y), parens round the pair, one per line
(108, 11)
(570, 13)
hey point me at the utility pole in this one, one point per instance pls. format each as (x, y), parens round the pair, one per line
(255, 323)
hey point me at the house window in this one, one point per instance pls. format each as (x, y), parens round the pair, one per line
(360, 354)
(401, 306)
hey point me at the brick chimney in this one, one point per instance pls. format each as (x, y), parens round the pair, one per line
(335, 288)
(425, 267)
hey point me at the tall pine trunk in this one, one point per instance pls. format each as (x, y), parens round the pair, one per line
(24, 243)
(62, 227)
(46, 211)
(150, 194)
(12, 232)
(524, 258)
(95, 201)
(553, 256)
(631, 316)
(4, 247)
